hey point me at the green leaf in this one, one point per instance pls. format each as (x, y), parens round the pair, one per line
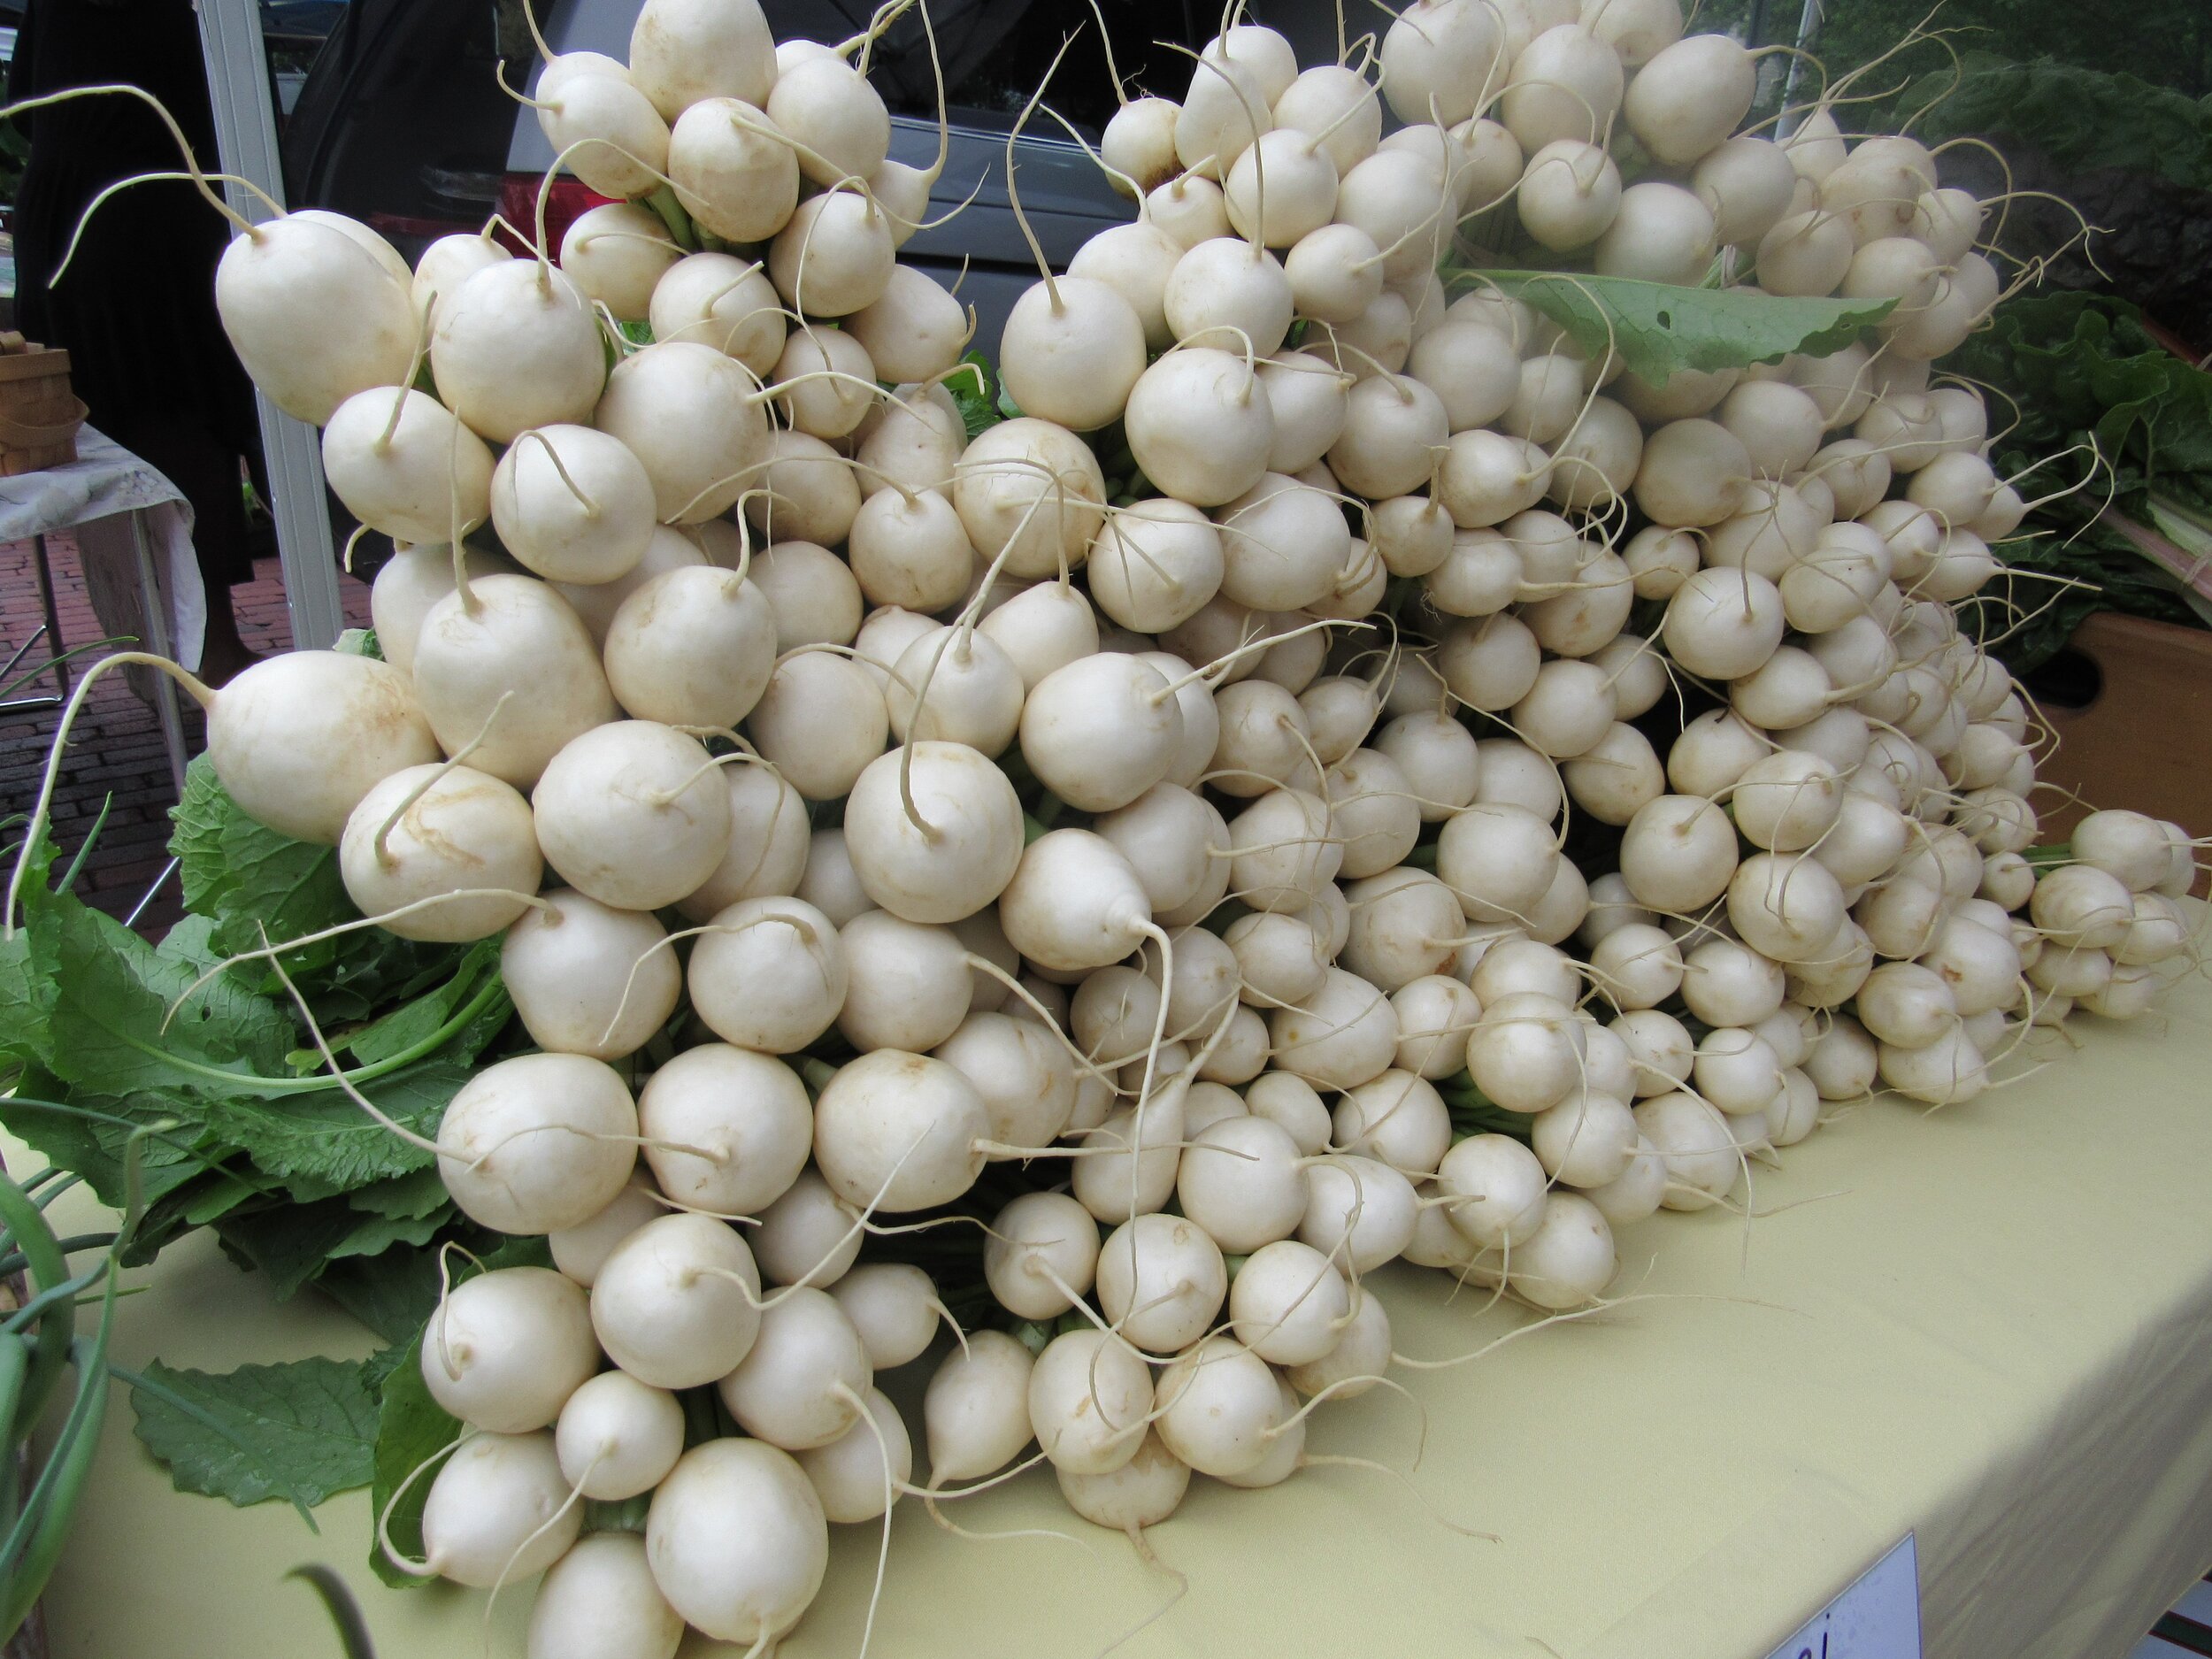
(289, 1244)
(1659, 329)
(374, 1235)
(309, 1426)
(413, 1022)
(240, 873)
(190, 943)
(420, 1194)
(289, 891)
(22, 1012)
(110, 1025)
(2082, 370)
(248, 877)
(973, 390)
(25, 990)
(196, 837)
(391, 1293)
(358, 642)
(411, 1428)
(325, 1136)
(219, 1197)
(87, 1134)
(2082, 119)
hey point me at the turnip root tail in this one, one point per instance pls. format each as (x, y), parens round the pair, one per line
(184, 145)
(1324, 1460)
(1137, 1542)
(425, 1568)
(92, 206)
(890, 1496)
(1013, 192)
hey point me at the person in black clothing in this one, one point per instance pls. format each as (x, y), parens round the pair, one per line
(135, 309)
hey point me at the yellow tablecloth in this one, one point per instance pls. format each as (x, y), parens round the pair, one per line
(1991, 1325)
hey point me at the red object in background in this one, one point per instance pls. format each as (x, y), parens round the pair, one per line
(2173, 343)
(519, 206)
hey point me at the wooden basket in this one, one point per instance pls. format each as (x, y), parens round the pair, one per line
(39, 414)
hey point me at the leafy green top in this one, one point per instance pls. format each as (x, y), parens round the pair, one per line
(2111, 435)
(101, 1033)
(263, 1432)
(2084, 119)
(1659, 329)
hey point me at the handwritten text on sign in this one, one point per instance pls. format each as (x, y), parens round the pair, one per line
(1877, 1618)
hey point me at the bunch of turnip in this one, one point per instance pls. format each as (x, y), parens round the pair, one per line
(1344, 774)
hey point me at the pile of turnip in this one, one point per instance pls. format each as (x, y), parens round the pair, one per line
(1344, 775)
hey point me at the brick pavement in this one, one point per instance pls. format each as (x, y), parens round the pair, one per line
(116, 752)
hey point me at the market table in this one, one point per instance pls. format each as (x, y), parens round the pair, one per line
(1989, 1326)
(134, 545)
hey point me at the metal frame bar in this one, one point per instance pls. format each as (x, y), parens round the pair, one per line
(245, 136)
(51, 628)
(153, 892)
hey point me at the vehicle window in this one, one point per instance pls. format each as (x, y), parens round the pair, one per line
(996, 52)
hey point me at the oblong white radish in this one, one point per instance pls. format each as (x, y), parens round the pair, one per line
(278, 288)
(300, 740)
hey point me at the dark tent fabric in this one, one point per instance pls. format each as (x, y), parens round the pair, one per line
(135, 307)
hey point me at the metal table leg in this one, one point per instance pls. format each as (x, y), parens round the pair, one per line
(152, 596)
(51, 630)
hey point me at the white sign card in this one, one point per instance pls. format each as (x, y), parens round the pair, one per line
(1877, 1616)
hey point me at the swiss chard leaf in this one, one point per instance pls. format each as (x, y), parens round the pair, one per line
(2084, 119)
(1659, 329)
(2110, 432)
(307, 1427)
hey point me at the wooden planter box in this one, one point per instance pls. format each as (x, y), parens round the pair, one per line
(2144, 739)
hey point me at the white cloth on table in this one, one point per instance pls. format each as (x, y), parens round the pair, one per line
(105, 482)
